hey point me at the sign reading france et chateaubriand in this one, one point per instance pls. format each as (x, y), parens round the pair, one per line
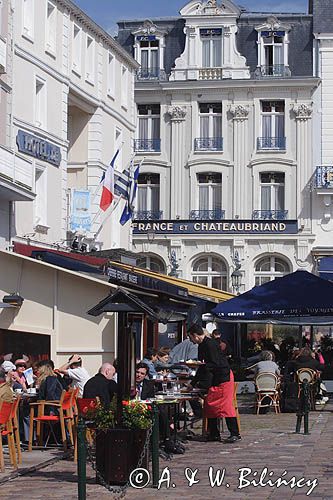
(216, 227)
(38, 148)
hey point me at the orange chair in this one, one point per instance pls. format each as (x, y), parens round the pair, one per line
(16, 428)
(6, 429)
(66, 416)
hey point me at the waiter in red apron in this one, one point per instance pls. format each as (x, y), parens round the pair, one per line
(216, 376)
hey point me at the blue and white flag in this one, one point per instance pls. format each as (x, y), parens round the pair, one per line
(131, 194)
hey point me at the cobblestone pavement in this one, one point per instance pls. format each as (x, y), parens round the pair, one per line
(268, 441)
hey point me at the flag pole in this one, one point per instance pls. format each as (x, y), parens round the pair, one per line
(99, 185)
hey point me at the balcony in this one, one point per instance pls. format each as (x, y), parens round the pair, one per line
(151, 74)
(271, 143)
(208, 144)
(147, 145)
(148, 215)
(273, 71)
(216, 214)
(270, 214)
(324, 177)
(210, 74)
(16, 176)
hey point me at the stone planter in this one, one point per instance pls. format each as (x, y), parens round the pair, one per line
(118, 452)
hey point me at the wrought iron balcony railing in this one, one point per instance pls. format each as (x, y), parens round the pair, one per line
(278, 143)
(216, 214)
(270, 214)
(273, 71)
(324, 177)
(153, 145)
(208, 144)
(151, 74)
(148, 215)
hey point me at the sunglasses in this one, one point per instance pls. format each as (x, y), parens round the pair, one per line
(21, 365)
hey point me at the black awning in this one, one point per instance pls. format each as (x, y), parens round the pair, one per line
(158, 307)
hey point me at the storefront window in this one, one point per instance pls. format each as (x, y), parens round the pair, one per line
(36, 347)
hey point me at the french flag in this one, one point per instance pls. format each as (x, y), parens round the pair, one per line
(108, 183)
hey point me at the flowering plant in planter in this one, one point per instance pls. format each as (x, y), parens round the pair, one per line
(136, 415)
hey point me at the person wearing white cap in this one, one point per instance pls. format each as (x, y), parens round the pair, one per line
(8, 366)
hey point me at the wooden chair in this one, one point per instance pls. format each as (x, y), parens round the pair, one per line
(6, 429)
(65, 417)
(16, 428)
(267, 387)
(309, 375)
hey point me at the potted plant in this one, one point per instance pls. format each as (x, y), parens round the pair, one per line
(120, 445)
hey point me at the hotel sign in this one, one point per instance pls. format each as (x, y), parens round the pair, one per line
(223, 227)
(38, 148)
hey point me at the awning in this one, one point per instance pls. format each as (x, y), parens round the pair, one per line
(4, 306)
(158, 307)
(325, 268)
(67, 262)
(196, 289)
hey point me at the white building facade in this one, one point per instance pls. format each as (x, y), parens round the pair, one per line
(71, 107)
(226, 103)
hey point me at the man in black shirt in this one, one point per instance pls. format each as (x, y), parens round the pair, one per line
(101, 385)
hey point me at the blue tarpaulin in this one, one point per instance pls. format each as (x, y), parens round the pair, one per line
(326, 268)
(297, 298)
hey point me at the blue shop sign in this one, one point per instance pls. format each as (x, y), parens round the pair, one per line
(38, 148)
(216, 227)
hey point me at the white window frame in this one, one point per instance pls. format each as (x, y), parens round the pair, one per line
(261, 45)
(149, 187)
(209, 274)
(148, 260)
(28, 18)
(40, 105)
(211, 115)
(261, 277)
(273, 191)
(77, 49)
(210, 184)
(124, 86)
(40, 202)
(149, 117)
(51, 28)
(90, 59)
(111, 75)
(150, 51)
(211, 40)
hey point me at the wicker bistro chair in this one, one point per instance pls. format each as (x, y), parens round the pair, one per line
(65, 418)
(267, 386)
(309, 375)
(6, 430)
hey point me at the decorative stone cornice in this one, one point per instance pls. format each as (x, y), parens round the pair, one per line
(239, 112)
(302, 111)
(272, 23)
(149, 28)
(177, 113)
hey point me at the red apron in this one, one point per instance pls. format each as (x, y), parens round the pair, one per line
(219, 400)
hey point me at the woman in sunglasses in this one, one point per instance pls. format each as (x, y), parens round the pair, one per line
(18, 375)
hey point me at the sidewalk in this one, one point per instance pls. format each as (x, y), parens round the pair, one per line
(268, 441)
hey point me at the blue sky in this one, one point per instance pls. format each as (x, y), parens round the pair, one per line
(107, 12)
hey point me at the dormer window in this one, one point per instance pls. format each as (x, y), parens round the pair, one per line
(211, 39)
(149, 55)
(272, 49)
(149, 51)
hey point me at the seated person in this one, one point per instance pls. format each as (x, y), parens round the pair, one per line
(183, 352)
(6, 387)
(18, 375)
(266, 364)
(144, 388)
(306, 359)
(50, 389)
(102, 385)
(149, 359)
(162, 364)
(74, 370)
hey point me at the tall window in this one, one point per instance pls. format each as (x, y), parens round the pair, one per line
(210, 271)
(28, 18)
(51, 27)
(273, 50)
(90, 59)
(211, 40)
(210, 116)
(40, 102)
(40, 201)
(148, 199)
(124, 86)
(272, 123)
(149, 127)
(149, 56)
(111, 75)
(76, 49)
(272, 189)
(210, 192)
(153, 263)
(269, 268)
